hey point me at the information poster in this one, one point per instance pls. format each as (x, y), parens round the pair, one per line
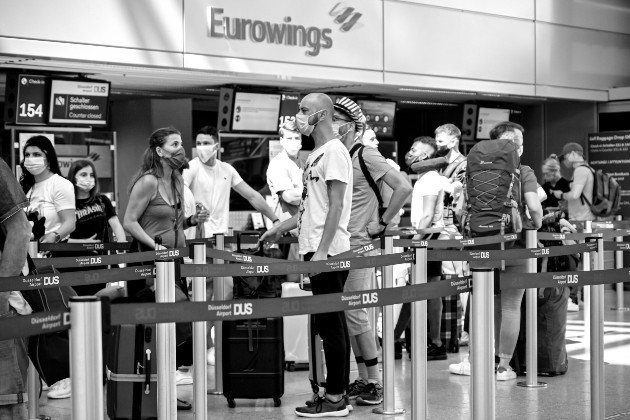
(78, 102)
(610, 152)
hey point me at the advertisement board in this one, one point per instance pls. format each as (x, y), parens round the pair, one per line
(610, 152)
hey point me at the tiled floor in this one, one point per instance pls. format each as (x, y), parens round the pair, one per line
(566, 397)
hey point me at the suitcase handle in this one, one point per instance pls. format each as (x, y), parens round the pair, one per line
(147, 371)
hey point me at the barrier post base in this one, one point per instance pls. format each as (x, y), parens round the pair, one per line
(524, 384)
(620, 309)
(395, 412)
(214, 392)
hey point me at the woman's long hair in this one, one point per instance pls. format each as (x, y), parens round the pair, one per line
(76, 166)
(27, 180)
(151, 164)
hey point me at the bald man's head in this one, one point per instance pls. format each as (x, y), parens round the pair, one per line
(318, 101)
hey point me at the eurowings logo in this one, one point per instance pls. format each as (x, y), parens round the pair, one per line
(345, 15)
(259, 31)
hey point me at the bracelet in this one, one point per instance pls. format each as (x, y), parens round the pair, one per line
(57, 236)
(381, 222)
(275, 220)
(189, 221)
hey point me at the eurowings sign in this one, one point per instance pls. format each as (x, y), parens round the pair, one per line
(328, 32)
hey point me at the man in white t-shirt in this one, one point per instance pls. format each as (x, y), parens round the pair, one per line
(427, 205)
(211, 182)
(284, 177)
(572, 157)
(322, 222)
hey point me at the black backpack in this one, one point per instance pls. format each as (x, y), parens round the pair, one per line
(492, 189)
(606, 194)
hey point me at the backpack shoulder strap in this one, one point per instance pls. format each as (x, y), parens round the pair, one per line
(355, 148)
(454, 166)
(582, 196)
(367, 175)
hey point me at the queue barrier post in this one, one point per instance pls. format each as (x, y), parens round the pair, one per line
(586, 290)
(219, 293)
(531, 304)
(597, 340)
(86, 357)
(619, 264)
(200, 367)
(482, 334)
(387, 246)
(32, 380)
(419, 340)
(165, 293)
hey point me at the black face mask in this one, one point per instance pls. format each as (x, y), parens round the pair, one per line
(442, 151)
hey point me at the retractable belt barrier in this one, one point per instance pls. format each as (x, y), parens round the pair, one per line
(91, 246)
(97, 260)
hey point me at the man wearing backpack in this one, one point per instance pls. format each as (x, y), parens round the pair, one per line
(581, 193)
(368, 218)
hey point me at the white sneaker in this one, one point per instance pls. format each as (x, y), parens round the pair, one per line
(573, 307)
(60, 390)
(183, 378)
(211, 356)
(461, 368)
(506, 374)
(464, 339)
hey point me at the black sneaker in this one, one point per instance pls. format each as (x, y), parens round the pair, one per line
(372, 395)
(436, 353)
(356, 388)
(324, 408)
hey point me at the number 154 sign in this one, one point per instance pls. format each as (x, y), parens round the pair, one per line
(32, 106)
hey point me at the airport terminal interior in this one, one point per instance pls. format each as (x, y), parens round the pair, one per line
(100, 77)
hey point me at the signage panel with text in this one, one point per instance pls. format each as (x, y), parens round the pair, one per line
(610, 152)
(78, 102)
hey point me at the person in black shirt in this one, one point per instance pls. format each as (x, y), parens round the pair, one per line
(95, 214)
(553, 180)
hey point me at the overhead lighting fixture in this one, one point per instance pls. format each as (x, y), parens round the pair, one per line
(443, 92)
(426, 103)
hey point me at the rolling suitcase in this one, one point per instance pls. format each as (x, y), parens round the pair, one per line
(296, 334)
(253, 359)
(132, 373)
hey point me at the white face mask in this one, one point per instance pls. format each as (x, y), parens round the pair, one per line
(207, 151)
(35, 165)
(302, 123)
(292, 147)
(85, 184)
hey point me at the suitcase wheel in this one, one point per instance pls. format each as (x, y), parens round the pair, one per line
(276, 402)
(231, 402)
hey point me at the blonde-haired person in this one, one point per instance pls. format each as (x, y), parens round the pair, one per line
(553, 180)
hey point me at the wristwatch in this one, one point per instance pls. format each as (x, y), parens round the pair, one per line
(57, 236)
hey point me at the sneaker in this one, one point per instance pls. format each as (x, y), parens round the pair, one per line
(348, 405)
(504, 374)
(183, 405)
(372, 394)
(461, 368)
(183, 378)
(324, 408)
(210, 356)
(356, 388)
(313, 401)
(60, 390)
(573, 307)
(436, 353)
(464, 340)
